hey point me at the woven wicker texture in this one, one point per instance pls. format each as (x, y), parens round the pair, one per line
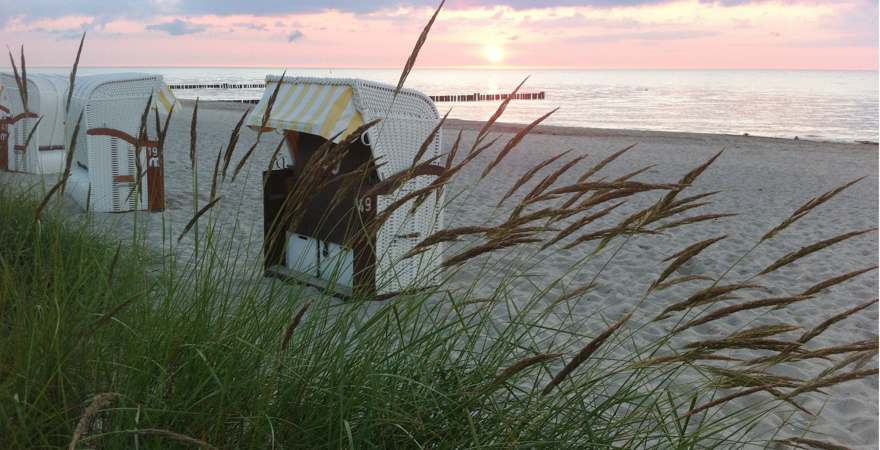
(405, 123)
(104, 172)
(403, 230)
(45, 152)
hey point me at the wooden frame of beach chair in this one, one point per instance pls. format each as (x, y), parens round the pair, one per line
(4, 131)
(9, 152)
(332, 220)
(44, 154)
(111, 170)
(327, 244)
(4, 128)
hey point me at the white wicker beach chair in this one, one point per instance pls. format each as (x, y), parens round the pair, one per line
(334, 108)
(44, 153)
(104, 172)
(4, 127)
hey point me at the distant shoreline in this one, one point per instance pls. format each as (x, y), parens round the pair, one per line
(559, 130)
(476, 68)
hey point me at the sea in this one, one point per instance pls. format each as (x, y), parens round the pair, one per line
(837, 106)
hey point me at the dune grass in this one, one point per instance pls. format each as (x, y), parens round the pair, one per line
(106, 345)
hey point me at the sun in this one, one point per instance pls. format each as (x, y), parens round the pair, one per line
(493, 53)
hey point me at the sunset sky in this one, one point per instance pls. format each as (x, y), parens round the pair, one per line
(736, 34)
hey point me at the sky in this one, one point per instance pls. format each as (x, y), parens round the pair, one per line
(596, 34)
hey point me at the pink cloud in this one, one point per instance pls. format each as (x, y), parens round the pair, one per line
(677, 34)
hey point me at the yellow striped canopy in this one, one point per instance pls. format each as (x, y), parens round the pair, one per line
(164, 98)
(327, 110)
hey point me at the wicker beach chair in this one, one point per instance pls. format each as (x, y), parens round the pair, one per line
(46, 95)
(329, 247)
(4, 128)
(105, 174)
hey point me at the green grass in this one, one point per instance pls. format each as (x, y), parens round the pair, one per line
(202, 353)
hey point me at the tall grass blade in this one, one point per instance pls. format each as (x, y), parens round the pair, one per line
(270, 105)
(62, 182)
(805, 443)
(819, 329)
(73, 73)
(21, 83)
(429, 140)
(98, 403)
(195, 218)
(819, 383)
(601, 164)
(24, 78)
(288, 332)
(275, 153)
(727, 398)
(233, 141)
(754, 304)
(708, 295)
(193, 136)
(580, 224)
(805, 209)
(518, 367)
(684, 256)
(584, 354)
(491, 246)
(514, 141)
(530, 174)
(810, 249)
(484, 130)
(821, 286)
(27, 141)
(214, 175)
(411, 61)
(692, 220)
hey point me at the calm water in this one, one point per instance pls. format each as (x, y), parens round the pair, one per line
(823, 105)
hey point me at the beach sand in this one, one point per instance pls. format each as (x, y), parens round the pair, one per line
(763, 180)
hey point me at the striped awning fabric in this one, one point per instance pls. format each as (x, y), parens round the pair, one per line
(327, 110)
(164, 98)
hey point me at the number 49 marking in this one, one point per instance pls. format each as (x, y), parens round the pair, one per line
(365, 204)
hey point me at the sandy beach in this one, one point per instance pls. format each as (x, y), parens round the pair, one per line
(763, 180)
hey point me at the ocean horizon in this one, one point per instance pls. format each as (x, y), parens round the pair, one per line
(824, 105)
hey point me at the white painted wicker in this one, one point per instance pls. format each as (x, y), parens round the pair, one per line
(104, 171)
(406, 121)
(5, 131)
(4, 99)
(46, 97)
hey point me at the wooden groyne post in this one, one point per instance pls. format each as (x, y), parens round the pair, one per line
(218, 86)
(475, 97)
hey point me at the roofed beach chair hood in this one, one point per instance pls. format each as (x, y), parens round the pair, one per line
(105, 173)
(46, 96)
(310, 111)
